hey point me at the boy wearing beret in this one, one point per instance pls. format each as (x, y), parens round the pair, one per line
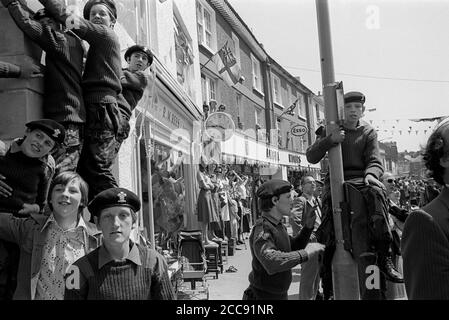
(134, 80)
(362, 167)
(26, 168)
(119, 269)
(107, 112)
(63, 96)
(274, 253)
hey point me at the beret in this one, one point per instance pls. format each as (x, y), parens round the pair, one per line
(139, 48)
(53, 129)
(108, 3)
(114, 197)
(273, 187)
(354, 96)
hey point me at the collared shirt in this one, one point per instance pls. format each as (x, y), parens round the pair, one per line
(104, 257)
(62, 248)
(314, 202)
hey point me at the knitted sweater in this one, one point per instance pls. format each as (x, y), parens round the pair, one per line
(133, 83)
(63, 96)
(124, 280)
(9, 70)
(360, 151)
(103, 69)
(274, 254)
(28, 177)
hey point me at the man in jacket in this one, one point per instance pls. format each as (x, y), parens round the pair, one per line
(425, 244)
(274, 252)
(304, 206)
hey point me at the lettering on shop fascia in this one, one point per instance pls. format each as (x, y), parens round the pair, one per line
(164, 113)
(272, 154)
(294, 158)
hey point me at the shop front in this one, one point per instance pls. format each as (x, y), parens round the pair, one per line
(159, 154)
(295, 165)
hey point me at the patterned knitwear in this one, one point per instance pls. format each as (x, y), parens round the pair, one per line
(142, 276)
(62, 248)
(63, 96)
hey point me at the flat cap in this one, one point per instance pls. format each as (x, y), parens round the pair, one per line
(53, 129)
(110, 4)
(354, 96)
(139, 48)
(114, 197)
(273, 187)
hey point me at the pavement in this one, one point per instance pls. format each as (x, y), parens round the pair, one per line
(230, 285)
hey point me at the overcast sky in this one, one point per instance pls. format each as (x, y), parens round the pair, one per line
(395, 52)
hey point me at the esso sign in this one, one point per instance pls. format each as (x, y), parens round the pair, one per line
(299, 130)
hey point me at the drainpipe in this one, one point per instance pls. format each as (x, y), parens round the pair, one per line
(269, 111)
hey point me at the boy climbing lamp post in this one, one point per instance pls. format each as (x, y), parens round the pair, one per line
(344, 268)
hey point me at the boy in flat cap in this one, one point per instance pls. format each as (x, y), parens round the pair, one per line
(274, 252)
(26, 168)
(134, 80)
(49, 244)
(362, 168)
(63, 96)
(119, 269)
(107, 112)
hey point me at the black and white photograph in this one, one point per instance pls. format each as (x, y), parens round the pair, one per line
(224, 150)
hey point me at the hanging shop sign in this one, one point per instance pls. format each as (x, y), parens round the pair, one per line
(220, 126)
(298, 130)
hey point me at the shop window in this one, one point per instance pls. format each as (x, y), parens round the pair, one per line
(184, 57)
(168, 192)
(131, 16)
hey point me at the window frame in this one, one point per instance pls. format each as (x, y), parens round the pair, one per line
(201, 7)
(236, 41)
(256, 77)
(276, 99)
